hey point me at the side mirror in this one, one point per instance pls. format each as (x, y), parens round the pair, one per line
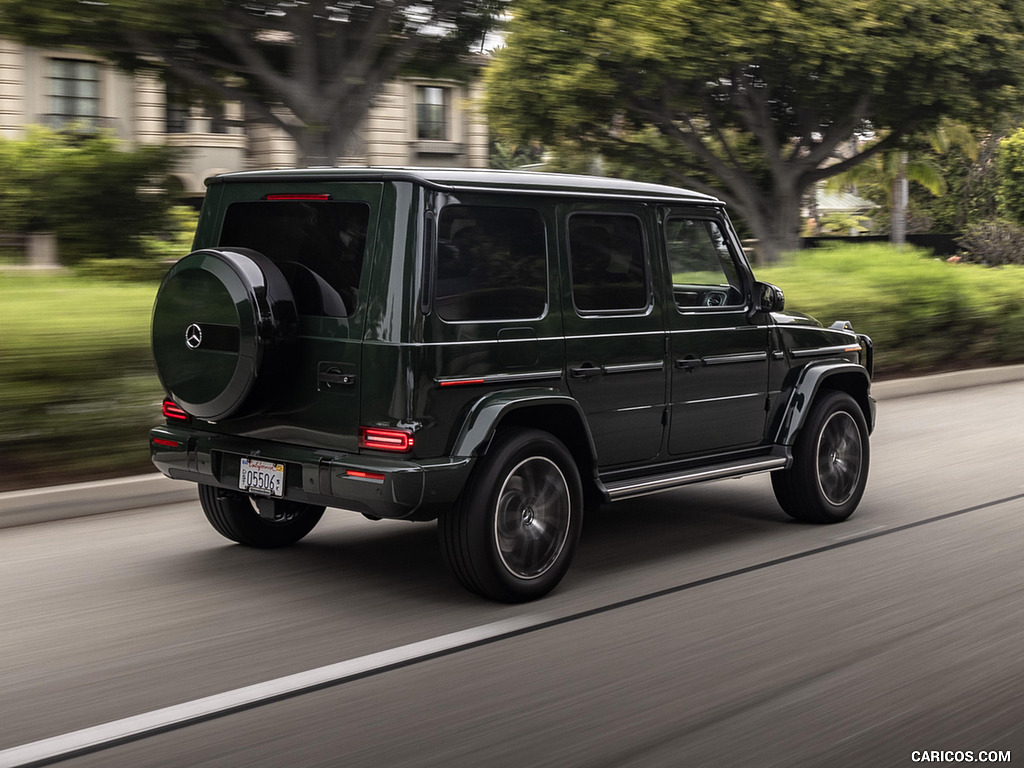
(768, 298)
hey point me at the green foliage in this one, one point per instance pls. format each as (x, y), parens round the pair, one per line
(77, 381)
(509, 156)
(840, 223)
(758, 95)
(993, 243)
(1010, 162)
(972, 191)
(922, 313)
(98, 197)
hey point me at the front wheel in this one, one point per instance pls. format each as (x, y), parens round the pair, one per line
(830, 463)
(235, 516)
(512, 535)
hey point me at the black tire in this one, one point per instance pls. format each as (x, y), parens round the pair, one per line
(225, 326)
(830, 463)
(234, 516)
(512, 535)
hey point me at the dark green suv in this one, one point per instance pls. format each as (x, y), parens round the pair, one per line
(495, 350)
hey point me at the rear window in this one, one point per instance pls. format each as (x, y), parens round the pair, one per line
(318, 245)
(491, 264)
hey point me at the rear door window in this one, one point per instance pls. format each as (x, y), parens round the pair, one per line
(608, 261)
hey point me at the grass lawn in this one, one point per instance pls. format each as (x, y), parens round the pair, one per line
(78, 390)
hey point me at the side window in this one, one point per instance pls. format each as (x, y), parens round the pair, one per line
(317, 245)
(704, 273)
(607, 258)
(491, 264)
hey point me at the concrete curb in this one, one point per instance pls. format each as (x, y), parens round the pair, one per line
(37, 505)
(61, 502)
(945, 382)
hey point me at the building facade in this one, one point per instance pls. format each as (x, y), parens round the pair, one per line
(414, 121)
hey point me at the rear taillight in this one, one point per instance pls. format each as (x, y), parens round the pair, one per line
(172, 410)
(381, 439)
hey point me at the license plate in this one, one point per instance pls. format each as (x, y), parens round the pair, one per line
(263, 477)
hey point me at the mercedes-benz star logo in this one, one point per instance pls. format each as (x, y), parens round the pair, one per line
(193, 336)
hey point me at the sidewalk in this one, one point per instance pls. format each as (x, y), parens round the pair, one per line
(37, 505)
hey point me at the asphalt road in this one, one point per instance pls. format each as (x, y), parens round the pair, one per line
(696, 628)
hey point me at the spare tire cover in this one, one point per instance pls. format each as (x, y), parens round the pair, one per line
(224, 321)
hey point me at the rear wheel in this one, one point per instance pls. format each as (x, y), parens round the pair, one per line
(512, 535)
(236, 516)
(830, 463)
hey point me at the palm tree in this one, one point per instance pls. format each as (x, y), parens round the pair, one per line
(894, 170)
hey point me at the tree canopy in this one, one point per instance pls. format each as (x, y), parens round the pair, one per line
(753, 101)
(310, 67)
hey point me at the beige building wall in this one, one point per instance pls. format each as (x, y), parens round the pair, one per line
(12, 89)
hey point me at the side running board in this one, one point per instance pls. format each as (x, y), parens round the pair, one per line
(642, 486)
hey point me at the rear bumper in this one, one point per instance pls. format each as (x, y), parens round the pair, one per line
(379, 486)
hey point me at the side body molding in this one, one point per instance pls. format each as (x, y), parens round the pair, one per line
(844, 375)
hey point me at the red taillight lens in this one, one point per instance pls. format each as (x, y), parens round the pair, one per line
(166, 443)
(172, 410)
(380, 439)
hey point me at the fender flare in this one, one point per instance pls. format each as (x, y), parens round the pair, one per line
(806, 389)
(484, 416)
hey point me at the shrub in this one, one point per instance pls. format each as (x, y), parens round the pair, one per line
(922, 313)
(1010, 164)
(992, 243)
(97, 196)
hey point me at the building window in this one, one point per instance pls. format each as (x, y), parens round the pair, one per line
(431, 113)
(74, 93)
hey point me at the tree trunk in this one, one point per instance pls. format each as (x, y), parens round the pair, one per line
(900, 195)
(774, 221)
(314, 146)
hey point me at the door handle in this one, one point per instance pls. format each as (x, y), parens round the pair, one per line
(585, 371)
(689, 364)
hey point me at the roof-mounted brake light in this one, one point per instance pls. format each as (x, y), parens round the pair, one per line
(297, 196)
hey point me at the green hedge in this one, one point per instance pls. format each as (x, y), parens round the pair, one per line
(923, 314)
(78, 390)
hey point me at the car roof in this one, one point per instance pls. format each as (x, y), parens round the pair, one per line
(481, 180)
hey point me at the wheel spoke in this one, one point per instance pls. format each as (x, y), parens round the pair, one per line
(532, 517)
(840, 454)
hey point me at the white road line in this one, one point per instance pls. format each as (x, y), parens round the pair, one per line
(131, 728)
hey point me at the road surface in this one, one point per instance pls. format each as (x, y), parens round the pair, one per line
(700, 627)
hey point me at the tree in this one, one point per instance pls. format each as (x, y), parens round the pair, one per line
(312, 68)
(753, 96)
(887, 176)
(1010, 164)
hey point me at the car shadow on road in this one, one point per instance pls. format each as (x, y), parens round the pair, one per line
(647, 530)
(393, 560)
